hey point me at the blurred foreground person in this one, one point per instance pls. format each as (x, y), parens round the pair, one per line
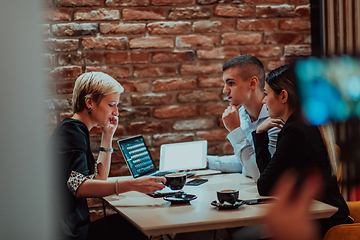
(300, 147)
(289, 217)
(95, 99)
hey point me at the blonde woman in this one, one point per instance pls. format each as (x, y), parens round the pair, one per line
(95, 99)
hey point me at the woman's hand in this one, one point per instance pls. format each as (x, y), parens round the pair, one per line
(270, 123)
(231, 118)
(111, 128)
(147, 184)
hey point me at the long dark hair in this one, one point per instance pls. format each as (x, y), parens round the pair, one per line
(283, 78)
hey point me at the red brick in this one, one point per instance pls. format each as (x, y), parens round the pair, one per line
(294, 24)
(118, 170)
(201, 68)
(212, 109)
(152, 42)
(230, 10)
(150, 13)
(215, 149)
(65, 87)
(193, 124)
(228, 149)
(130, 114)
(81, 58)
(66, 115)
(217, 53)
(172, 138)
(123, 28)
(49, 60)
(214, 135)
(77, 3)
(297, 2)
(126, 57)
(127, 3)
(283, 38)
(66, 73)
(173, 84)
(277, 63)
(46, 3)
(115, 72)
(205, 2)
(172, 2)
(265, 1)
(268, 11)
(147, 127)
(206, 81)
(151, 99)
(303, 11)
(62, 14)
(241, 38)
(297, 50)
(74, 29)
(95, 15)
(262, 51)
(307, 39)
(154, 71)
(198, 96)
(105, 42)
(190, 13)
(180, 56)
(62, 45)
(197, 40)
(135, 86)
(174, 111)
(169, 28)
(256, 24)
(208, 26)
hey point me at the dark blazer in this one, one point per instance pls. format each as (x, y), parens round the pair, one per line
(299, 147)
(70, 147)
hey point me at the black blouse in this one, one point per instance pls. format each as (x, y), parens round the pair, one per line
(298, 147)
(70, 146)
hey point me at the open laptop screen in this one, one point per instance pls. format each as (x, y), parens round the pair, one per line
(183, 156)
(137, 156)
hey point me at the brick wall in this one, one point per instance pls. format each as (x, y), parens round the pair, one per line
(168, 55)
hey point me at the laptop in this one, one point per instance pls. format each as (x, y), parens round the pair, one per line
(140, 163)
(173, 157)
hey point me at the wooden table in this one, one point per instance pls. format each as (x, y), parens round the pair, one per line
(155, 216)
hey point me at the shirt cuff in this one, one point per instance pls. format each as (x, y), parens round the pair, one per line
(76, 179)
(236, 136)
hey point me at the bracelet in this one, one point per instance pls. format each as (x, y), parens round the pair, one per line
(106, 149)
(116, 189)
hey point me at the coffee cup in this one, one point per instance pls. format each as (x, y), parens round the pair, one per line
(175, 181)
(227, 195)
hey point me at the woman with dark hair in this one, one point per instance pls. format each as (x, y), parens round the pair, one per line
(300, 147)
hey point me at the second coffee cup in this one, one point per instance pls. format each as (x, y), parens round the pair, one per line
(175, 181)
(228, 195)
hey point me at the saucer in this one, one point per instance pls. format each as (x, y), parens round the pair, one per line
(227, 205)
(180, 198)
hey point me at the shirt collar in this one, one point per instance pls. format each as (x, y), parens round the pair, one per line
(263, 112)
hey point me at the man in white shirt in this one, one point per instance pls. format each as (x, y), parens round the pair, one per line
(244, 80)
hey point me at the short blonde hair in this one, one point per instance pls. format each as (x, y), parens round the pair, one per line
(95, 85)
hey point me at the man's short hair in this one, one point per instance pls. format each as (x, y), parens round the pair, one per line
(249, 66)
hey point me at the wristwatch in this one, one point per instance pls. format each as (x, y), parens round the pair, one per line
(106, 149)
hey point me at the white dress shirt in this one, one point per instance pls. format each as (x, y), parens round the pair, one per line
(244, 159)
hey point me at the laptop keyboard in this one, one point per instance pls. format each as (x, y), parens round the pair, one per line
(163, 173)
